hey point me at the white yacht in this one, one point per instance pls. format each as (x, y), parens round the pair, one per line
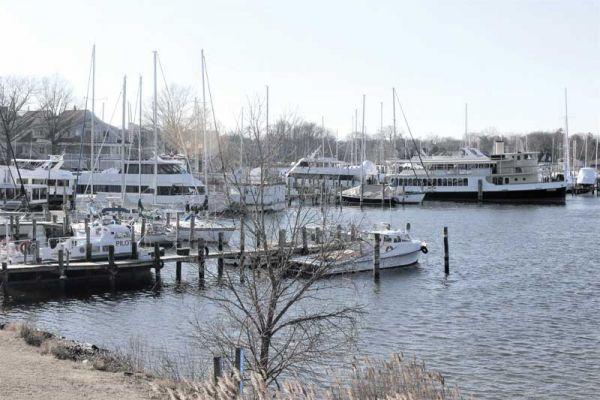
(332, 170)
(397, 249)
(251, 191)
(379, 194)
(60, 182)
(174, 185)
(207, 229)
(22, 197)
(473, 176)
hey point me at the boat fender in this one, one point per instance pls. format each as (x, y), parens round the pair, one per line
(424, 249)
(24, 246)
(389, 248)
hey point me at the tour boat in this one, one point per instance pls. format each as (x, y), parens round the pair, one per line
(381, 194)
(174, 185)
(473, 176)
(397, 249)
(60, 182)
(17, 197)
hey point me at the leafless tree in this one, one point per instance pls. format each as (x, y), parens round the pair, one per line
(55, 97)
(286, 321)
(15, 94)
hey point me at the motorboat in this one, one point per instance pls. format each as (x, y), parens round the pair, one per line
(204, 228)
(378, 194)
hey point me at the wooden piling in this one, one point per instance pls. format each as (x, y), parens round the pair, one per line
(177, 235)
(111, 256)
(61, 264)
(376, 256)
(180, 252)
(480, 190)
(382, 194)
(238, 364)
(281, 245)
(217, 369)
(134, 252)
(33, 229)
(220, 261)
(88, 243)
(192, 228)
(242, 246)
(143, 232)
(304, 240)
(201, 262)
(318, 235)
(446, 252)
(4, 275)
(11, 226)
(157, 265)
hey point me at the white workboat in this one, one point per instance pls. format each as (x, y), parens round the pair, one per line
(397, 249)
(104, 232)
(207, 229)
(378, 194)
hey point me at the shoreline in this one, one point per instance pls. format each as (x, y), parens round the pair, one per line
(40, 365)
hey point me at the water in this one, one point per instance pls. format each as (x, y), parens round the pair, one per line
(518, 317)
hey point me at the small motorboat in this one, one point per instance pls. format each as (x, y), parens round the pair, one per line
(397, 249)
(381, 194)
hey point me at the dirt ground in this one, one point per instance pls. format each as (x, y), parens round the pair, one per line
(25, 373)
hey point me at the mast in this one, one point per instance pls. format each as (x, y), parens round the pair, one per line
(123, 124)
(323, 139)
(92, 130)
(566, 144)
(381, 133)
(394, 111)
(354, 144)
(585, 151)
(242, 142)
(467, 138)
(204, 139)
(155, 132)
(364, 138)
(140, 143)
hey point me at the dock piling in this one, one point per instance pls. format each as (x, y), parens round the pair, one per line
(201, 262)
(220, 261)
(480, 190)
(157, 265)
(4, 276)
(61, 264)
(217, 369)
(177, 235)
(134, 253)
(304, 241)
(88, 243)
(192, 228)
(376, 256)
(446, 252)
(180, 252)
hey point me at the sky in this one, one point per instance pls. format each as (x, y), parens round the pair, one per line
(510, 60)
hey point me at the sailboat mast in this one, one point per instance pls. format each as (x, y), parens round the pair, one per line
(92, 127)
(123, 124)
(566, 143)
(364, 138)
(204, 139)
(155, 131)
(242, 142)
(467, 138)
(394, 112)
(381, 133)
(140, 144)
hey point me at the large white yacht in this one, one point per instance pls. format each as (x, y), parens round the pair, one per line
(332, 170)
(473, 176)
(175, 186)
(60, 182)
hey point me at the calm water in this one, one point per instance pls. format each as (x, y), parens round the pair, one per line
(518, 317)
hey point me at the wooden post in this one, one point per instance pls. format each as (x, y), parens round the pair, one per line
(4, 276)
(217, 369)
(446, 252)
(338, 232)
(33, 229)
(304, 240)
(177, 236)
(54, 218)
(180, 252)
(480, 190)
(281, 245)
(201, 262)
(239, 366)
(143, 232)
(376, 256)
(168, 218)
(157, 266)
(61, 264)
(88, 243)
(407, 227)
(111, 256)
(383, 194)
(242, 246)
(17, 228)
(352, 233)
(134, 253)
(192, 228)
(220, 261)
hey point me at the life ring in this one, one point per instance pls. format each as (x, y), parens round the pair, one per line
(23, 246)
(424, 249)
(389, 248)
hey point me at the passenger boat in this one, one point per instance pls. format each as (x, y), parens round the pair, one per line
(171, 185)
(397, 249)
(473, 176)
(381, 194)
(25, 197)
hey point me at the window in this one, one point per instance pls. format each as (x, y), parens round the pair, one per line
(506, 180)
(133, 169)
(465, 182)
(455, 182)
(445, 182)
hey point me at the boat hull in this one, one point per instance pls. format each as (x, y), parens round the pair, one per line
(537, 196)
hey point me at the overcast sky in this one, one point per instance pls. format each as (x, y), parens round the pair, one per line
(509, 60)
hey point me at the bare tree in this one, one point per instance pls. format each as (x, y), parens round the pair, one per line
(15, 94)
(286, 321)
(55, 97)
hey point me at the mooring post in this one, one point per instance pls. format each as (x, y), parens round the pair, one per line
(180, 252)
(304, 240)
(33, 229)
(177, 236)
(157, 266)
(407, 227)
(111, 256)
(201, 262)
(143, 232)
(17, 228)
(480, 190)
(220, 261)
(338, 232)
(383, 194)
(168, 218)
(217, 369)
(446, 252)
(239, 366)
(242, 246)
(4, 276)
(376, 256)
(352, 233)
(192, 228)
(134, 252)
(88, 242)
(281, 244)
(54, 218)
(61, 264)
